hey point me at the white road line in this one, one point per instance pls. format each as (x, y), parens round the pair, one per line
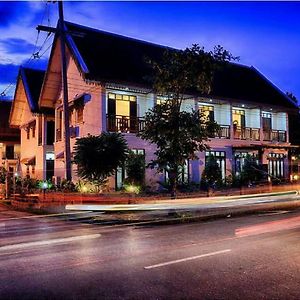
(49, 242)
(186, 259)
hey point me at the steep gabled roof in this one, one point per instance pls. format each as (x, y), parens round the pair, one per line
(28, 89)
(107, 57)
(32, 81)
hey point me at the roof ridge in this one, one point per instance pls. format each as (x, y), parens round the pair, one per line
(268, 81)
(119, 35)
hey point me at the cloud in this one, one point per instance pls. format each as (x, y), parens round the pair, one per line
(17, 46)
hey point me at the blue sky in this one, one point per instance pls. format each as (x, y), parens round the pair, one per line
(264, 34)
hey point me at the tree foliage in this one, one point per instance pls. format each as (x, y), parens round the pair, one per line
(179, 134)
(2, 175)
(212, 173)
(252, 171)
(97, 157)
(135, 169)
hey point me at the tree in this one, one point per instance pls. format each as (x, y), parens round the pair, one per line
(135, 169)
(179, 134)
(212, 173)
(97, 157)
(3, 174)
(251, 171)
(292, 97)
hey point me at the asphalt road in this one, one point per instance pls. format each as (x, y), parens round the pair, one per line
(253, 257)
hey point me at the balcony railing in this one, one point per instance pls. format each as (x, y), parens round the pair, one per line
(246, 133)
(223, 132)
(275, 135)
(124, 124)
(14, 155)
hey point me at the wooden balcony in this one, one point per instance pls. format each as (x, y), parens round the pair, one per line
(124, 124)
(275, 136)
(246, 133)
(223, 132)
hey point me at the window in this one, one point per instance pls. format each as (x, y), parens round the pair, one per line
(33, 131)
(50, 132)
(220, 157)
(238, 118)
(122, 113)
(183, 173)
(138, 151)
(40, 130)
(59, 125)
(27, 129)
(160, 100)
(267, 121)
(276, 165)
(121, 171)
(208, 112)
(240, 157)
(9, 151)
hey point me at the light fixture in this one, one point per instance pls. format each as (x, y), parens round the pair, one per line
(243, 105)
(210, 100)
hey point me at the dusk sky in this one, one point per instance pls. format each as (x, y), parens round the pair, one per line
(264, 34)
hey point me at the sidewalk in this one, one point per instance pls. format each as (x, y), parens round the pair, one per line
(188, 210)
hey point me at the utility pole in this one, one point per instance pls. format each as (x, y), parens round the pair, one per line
(62, 35)
(65, 91)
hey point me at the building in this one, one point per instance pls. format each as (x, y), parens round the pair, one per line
(36, 125)
(108, 91)
(9, 139)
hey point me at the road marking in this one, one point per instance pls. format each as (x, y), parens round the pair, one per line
(49, 242)
(186, 259)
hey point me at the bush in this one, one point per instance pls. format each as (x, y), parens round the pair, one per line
(67, 186)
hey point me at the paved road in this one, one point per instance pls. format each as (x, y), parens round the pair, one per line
(256, 257)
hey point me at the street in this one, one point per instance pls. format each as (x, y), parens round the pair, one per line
(60, 257)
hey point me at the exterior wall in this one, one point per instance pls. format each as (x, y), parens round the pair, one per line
(94, 122)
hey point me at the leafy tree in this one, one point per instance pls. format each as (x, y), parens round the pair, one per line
(135, 168)
(97, 157)
(292, 97)
(179, 134)
(252, 171)
(2, 175)
(212, 173)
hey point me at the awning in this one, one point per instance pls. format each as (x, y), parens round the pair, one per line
(61, 155)
(28, 160)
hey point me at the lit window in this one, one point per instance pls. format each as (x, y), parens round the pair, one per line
(207, 111)
(220, 158)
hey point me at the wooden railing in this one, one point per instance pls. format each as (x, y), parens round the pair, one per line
(124, 124)
(223, 132)
(246, 133)
(275, 136)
